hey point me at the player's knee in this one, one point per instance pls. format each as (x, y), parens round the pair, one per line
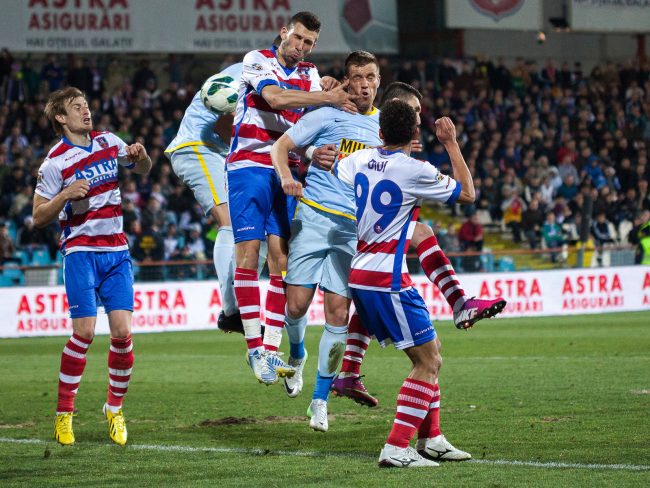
(296, 309)
(421, 232)
(337, 316)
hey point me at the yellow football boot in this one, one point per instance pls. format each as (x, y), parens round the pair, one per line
(63, 429)
(116, 426)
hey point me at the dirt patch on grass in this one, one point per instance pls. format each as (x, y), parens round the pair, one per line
(640, 392)
(272, 419)
(555, 419)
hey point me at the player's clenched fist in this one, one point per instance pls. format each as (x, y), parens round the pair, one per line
(325, 155)
(445, 130)
(291, 187)
(136, 152)
(77, 190)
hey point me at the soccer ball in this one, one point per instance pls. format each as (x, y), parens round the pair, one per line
(219, 93)
(369, 24)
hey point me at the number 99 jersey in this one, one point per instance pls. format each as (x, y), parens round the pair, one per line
(389, 188)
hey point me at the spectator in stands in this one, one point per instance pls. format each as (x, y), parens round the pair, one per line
(604, 235)
(569, 188)
(148, 247)
(513, 207)
(532, 222)
(7, 247)
(552, 235)
(470, 238)
(53, 73)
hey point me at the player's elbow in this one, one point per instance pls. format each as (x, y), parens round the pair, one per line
(275, 101)
(39, 221)
(466, 197)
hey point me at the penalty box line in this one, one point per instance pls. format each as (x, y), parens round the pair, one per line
(280, 452)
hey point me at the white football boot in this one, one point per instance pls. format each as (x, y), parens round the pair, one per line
(318, 413)
(438, 448)
(293, 385)
(403, 457)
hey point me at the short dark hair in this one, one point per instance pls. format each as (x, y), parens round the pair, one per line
(308, 19)
(398, 122)
(360, 58)
(56, 105)
(400, 90)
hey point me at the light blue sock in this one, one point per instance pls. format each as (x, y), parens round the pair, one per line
(223, 256)
(322, 387)
(296, 331)
(330, 353)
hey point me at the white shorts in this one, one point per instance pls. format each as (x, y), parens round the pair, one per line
(204, 171)
(320, 250)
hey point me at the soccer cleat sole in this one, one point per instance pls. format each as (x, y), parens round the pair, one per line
(488, 313)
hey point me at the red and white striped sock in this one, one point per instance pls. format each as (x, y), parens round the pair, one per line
(430, 427)
(274, 309)
(120, 364)
(73, 362)
(440, 271)
(356, 346)
(413, 403)
(247, 291)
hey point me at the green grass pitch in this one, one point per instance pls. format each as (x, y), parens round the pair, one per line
(558, 401)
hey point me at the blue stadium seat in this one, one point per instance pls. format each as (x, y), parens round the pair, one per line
(22, 255)
(13, 273)
(41, 257)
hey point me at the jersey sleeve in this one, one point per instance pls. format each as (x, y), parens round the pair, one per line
(121, 152)
(343, 169)
(315, 81)
(258, 71)
(431, 184)
(49, 182)
(307, 128)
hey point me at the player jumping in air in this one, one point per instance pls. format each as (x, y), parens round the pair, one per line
(78, 183)
(389, 187)
(276, 86)
(198, 157)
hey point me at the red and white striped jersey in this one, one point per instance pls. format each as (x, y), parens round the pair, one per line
(93, 223)
(389, 188)
(257, 126)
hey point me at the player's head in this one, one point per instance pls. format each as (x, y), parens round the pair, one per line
(298, 38)
(404, 92)
(362, 70)
(67, 109)
(397, 123)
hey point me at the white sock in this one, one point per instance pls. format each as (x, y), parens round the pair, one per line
(224, 265)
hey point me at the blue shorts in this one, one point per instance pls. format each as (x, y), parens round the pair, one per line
(401, 318)
(91, 276)
(320, 250)
(257, 204)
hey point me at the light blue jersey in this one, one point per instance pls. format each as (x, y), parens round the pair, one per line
(350, 132)
(197, 126)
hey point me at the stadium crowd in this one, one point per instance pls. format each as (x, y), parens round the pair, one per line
(558, 155)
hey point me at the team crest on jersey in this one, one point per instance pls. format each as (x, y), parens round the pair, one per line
(303, 73)
(103, 143)
(378, 229)
(257, 67)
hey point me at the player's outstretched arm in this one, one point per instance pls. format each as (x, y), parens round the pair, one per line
(280, 157)
(280, 99)
(136, 153)
(45, 211)
(446, 134)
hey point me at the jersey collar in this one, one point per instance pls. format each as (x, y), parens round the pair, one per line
(85, 148)
(384, 152)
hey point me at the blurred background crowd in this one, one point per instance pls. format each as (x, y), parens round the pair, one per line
(559, 154)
